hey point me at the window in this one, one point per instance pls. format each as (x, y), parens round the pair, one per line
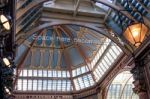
(121, 87)
(30, 84)
(24, 84)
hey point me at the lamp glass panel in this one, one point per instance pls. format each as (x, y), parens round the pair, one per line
(144, 31)
(3, 18)
(5, 22)
(6, 26)
(135, 31)
(6, 61)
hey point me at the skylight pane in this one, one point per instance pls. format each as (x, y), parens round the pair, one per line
(24, 84)
(44, 73)
(97, 71)
(54, 85)
(49, 84)
(39, 85)
(76, 84)
(100, 70)
(81, 82)
(59, 85)
(50, 73)
(44, 87)
(24, 72)
(68, 85)
(107, 60)
(59, 74)
(64, 85)
(34, 73)
(73, 73)
(83, 69)
(64, 74)
(78, 71)
(34, 85)
(40, 73)
(91, 79)
(30, 73)
(115, 50)
(103, 64)
(19, 84)
(113, 53)
(54, 73)
(29, 84)
(102, 67)
(109, 56)
(86, 81)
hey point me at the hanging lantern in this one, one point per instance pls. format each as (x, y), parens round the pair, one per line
(135, 33)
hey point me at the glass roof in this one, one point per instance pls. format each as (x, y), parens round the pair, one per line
(69, 57)
(65, 58)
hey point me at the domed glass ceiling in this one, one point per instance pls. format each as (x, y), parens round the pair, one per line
(68, 58)
(65, 58)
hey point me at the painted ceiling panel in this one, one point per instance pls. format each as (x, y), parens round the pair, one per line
(45, 58)
(91, 46)
(56, 41)
(65, 39)
(27, 62)
(36, 58)
(54, 59)
(39, 40)
(88, 52)
(48, 37)
(76, 58)
(63, 62)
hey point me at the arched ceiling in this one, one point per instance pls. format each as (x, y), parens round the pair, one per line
(75, 55)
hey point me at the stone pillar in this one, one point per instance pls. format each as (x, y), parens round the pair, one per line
(139, 81)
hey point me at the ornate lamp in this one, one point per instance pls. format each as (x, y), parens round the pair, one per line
(135, 33)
